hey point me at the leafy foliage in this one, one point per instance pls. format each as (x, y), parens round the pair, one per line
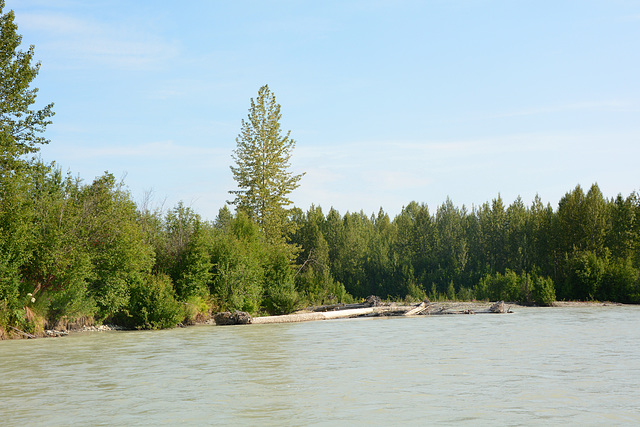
(20, 125)
(152, 305)
(71, 251)
(236, 254)
(182, 252)
(543, 292)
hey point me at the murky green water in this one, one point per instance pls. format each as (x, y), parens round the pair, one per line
(537, 366)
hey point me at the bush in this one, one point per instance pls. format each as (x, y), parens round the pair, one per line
(465, 294)
(415, 292)
(152, 305)
(196, 309)
(280, 292)
(238, 286)
(585, 274)
(544, 293)
(316, 286)
(237, 256)
(10, 306)
(72, 303)
(499, 287)
(619, 282)
(511, 287)
(281, 298)
(451, 291)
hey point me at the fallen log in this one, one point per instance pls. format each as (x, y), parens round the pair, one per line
(371, 301)
(498, 307)
(339, 314)
(26, 334)
(328, 307)
(419, 309)
(424, 308)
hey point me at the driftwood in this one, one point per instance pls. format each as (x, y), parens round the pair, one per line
(337, 314)
(369, 308)
(371, 301)
(28, 335)
(419, 309)
(498, 307)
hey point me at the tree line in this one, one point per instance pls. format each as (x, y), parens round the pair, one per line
(586, 249)
(85, 252)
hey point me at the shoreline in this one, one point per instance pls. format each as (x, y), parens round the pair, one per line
(379, 309)
(386, 309)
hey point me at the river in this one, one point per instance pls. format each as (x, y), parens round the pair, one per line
(537, 366)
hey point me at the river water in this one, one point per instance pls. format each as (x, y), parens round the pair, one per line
(565, 365)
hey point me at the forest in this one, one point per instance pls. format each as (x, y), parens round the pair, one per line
(76, 252)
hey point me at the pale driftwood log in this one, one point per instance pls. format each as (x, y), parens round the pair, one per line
(419, 309)
(339, 314)
(498, 307)
(306, 317)
(387, 310)
(328, 307)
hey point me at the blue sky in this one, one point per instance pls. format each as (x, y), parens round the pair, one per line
(388, 101)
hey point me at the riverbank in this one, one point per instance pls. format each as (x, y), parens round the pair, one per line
(15, 333)
(373, 308)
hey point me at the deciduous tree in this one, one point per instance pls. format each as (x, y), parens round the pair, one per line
(20, 125)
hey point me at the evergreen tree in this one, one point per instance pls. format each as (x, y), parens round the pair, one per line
(518, 247)
(452, 248)
(622, 239)
(262, 167)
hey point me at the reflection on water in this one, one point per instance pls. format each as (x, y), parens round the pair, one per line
(536, 366)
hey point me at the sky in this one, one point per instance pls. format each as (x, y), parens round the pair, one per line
(388, 101)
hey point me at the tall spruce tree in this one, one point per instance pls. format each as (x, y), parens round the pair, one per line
(261, 168)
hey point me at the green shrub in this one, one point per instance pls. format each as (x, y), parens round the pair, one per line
(544, 292)
(152, 305)
(465, 294)
(585, 274)
(196, 309)
(281, 298)
(415, 292)
(499, 287)
(280, 293)
(71, 302)
(523, 288)
(9, 294)
(238, 286)
(237, 258)
(619, 282)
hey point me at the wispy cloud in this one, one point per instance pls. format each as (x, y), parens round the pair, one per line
(366, 174)
(72, 42)
(161, 150)
(618, 106)
(404, 152)
(56, 24)
(635, 17)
